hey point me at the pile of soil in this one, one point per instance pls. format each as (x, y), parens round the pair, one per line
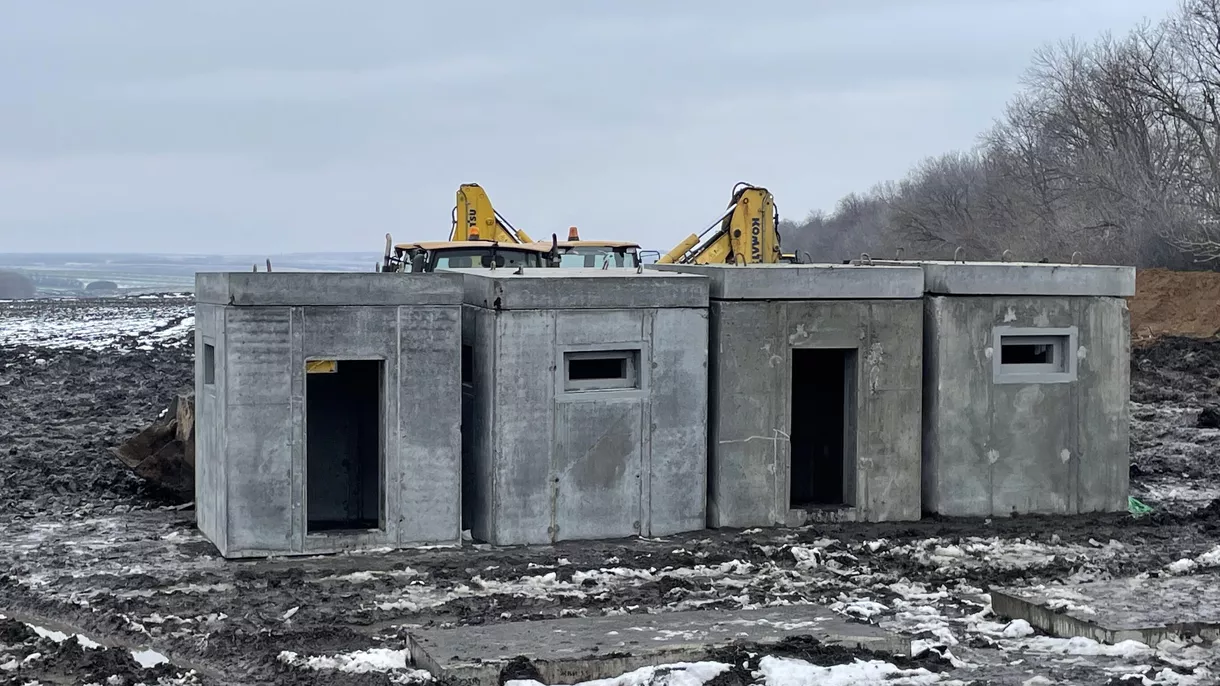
(1171, 303)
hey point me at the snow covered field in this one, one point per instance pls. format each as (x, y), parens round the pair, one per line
(98, 324)
(87, 546)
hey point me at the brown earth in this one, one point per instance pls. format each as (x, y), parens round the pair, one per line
(1172, 303)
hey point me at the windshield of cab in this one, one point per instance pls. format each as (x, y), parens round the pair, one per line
(481, 257)
(596, 258)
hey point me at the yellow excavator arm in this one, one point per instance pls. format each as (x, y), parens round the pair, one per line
(474, 218)
(748, 233)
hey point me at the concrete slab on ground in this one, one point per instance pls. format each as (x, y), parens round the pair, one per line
(572, 650)
(1144, 610)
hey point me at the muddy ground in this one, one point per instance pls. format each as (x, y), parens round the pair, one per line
(88, 548)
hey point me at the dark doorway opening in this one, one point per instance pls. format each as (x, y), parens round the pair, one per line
(343, 419)
(822, 439)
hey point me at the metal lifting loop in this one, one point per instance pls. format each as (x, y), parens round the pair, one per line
(808, 257)
(1077, 258)
(957, 254)
(866, 259)
(1006, 256)
(898, 253)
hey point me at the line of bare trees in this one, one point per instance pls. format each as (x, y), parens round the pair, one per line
(1111, 149)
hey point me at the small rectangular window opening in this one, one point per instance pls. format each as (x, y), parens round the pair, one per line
(209, 364)
(1014, 352)
(1020, 353)
(587, 371)
(1034, 356)
(597, 368)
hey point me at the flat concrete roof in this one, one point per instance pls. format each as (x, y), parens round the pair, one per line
(806, 281)
(544, 288)
(1023, 278)
(327, 288)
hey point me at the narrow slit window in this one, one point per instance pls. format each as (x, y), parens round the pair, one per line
(611, 370)
(209, 364)
(597, 368)
(1034, 357)
(467, 365)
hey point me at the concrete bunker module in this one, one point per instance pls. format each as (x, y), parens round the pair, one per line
(815, 393)
(1026, 386)
(328, 411)
(584, 404)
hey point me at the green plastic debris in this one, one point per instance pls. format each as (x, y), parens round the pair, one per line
(1136, 508)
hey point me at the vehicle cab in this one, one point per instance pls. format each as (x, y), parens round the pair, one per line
(596, 254)
(429, 256)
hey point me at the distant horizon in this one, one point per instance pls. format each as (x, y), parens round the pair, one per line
(188, 254)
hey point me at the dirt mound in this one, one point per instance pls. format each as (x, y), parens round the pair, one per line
(1169, 303)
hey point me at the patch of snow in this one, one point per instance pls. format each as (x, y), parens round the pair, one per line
(147, 658)
(1211, 558)
(858, 608)
(677, 674)
(60, 637)
(1017, 628)
(781, 671)
(1183, 566)
(1078, 645)
(412, 676)
(357, 662)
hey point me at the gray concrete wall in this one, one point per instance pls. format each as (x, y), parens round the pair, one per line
(550, 464)
(251, 422)
(751, 416)
(211, 487)
(996, 449)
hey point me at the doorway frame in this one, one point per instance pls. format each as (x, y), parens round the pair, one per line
(851, 428)
(382, 450)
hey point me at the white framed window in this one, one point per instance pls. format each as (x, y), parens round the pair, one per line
(601, 370)
(1034, 355)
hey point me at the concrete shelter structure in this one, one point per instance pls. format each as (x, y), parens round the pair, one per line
(1026, 388)
(327, 411)
(814, 392)
(584, 404)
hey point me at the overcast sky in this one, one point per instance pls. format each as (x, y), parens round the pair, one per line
(304, 125)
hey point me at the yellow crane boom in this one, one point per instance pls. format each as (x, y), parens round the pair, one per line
(475, 219)
(748, 233)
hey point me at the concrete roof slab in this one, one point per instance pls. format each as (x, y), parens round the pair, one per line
(327, 288)
(581, 289)
(1025, 278)
(806, 281)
